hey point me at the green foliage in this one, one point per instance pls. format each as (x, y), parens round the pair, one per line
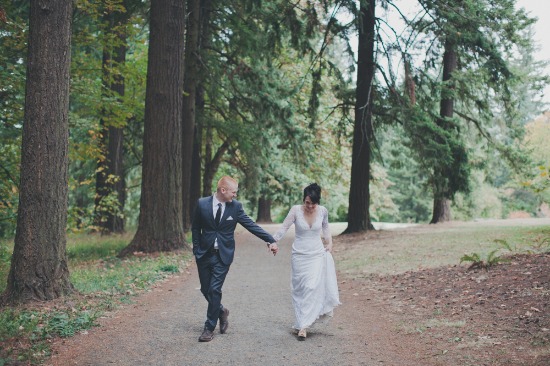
(13, 42)
(541, 243)
(267, 86)
(521, 200)
(488, 89)
(92, 102)
(485, 201)
(536, 138)
(491, 259)
(94, 266)
(84, 248)
(37, 327)
(115, 277)
(169, 268)
(64, 324)
(277, 81)
(407, 188)
(542, 182)
(5, 261)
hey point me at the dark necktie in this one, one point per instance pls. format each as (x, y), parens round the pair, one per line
(218, 214)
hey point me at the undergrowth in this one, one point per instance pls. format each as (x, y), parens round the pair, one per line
(539, 243)
(491, 259)
(102, 281)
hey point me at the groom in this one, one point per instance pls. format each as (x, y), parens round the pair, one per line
(213, 231)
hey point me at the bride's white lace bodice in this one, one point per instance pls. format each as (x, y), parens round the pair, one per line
(308, 238)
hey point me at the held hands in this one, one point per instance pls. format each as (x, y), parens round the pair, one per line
(273, 248)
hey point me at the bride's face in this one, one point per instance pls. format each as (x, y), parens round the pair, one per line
(309, 206)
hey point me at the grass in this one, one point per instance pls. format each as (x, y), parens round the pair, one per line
(427, 246)
(103, 282)
(432, 323)
(5, 257)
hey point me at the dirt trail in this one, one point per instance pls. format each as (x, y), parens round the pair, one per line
(163, 326)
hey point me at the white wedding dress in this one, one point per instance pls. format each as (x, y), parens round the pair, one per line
(313, 278)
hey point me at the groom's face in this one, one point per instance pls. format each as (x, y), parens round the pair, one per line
(229, 192)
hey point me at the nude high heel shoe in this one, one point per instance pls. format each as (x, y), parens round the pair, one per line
(302, 334)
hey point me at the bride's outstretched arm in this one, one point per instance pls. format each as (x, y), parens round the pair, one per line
(287, 223)
(326, 231)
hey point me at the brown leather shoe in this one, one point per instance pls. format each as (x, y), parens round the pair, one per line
(206, 336)
(224, 323)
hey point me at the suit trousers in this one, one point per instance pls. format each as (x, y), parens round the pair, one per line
(212, 273)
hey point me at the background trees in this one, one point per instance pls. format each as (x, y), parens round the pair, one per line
(474, 42)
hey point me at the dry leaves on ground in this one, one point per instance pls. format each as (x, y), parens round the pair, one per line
(498, 316)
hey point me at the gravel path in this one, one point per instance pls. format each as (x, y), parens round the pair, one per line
(163, 326)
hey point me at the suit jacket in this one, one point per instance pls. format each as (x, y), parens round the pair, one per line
(204, 230)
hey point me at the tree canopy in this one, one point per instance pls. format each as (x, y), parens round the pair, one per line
(276, 100)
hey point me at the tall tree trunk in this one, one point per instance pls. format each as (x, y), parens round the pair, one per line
(441, 189)
(110, 178)
(212, 165)
(441, 210)
(160, 226)
(208, 175)
(410, 86)
(39, 268)
(188, 117)
(264, 210)
(196, 169)
(101, 187)
(359, 195)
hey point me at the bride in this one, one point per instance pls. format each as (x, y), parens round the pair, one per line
(313, 282)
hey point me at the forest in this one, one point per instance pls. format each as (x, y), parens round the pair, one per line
(117, 115)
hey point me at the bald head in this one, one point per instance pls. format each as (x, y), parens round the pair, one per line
(227, 189)
(226, 181)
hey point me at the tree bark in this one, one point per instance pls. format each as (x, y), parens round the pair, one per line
(192, 59)
(359, 196)
(441, 189)
(39, 268)
(196, 168)
(441, 210)
(410, 86)
(160, 226)
(264, 211)
(212, 165)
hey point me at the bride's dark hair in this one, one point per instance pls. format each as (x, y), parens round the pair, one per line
(313, 191)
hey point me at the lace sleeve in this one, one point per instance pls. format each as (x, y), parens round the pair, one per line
(289, 220)
(326, 230)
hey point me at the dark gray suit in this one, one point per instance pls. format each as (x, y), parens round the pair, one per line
(213, 266)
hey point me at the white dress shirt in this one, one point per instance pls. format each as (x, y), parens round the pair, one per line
(214, 211)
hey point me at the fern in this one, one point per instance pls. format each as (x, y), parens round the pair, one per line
(474, 257)
(504, 244)
(490, 260)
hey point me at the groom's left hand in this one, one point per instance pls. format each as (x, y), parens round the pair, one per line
(273, 248)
